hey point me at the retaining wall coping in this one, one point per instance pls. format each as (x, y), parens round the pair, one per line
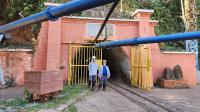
(13, 50)
(102, 19)
(111, 19)
(174, 52)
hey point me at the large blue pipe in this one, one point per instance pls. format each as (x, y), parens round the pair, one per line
(151, 39)
(65, 9)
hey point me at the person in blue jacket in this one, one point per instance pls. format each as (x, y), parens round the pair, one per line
(104, 75)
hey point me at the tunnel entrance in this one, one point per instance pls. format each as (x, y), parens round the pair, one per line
(119, 64)
(135, 71)
(80, 57)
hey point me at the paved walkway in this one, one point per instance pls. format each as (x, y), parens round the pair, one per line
(109, 101)
(11, 93)
(175, 100)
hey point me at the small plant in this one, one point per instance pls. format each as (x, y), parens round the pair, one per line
(10, 81)
(27, 95)
(72, 108)
(16, 102)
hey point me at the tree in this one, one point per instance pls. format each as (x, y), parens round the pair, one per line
(167, 12)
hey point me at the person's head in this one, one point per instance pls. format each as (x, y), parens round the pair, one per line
(104, 62)
(93, 58)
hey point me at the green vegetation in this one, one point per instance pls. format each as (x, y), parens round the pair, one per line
(20, 46)
(67, 93)
(168, 13)
(72, 108)
(14, 102)
(171, 48)
(15, 9)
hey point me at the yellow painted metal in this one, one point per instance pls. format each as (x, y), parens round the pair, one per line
(84, 50)
(79, 58)
(141, 75)
(76, 71)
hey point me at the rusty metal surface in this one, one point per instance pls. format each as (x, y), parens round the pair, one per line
(42, 82)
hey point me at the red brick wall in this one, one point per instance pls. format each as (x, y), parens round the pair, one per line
(54, 45)
(64, 60)
(161, 60)
(74, 30)
(40, 55)
(15, 62)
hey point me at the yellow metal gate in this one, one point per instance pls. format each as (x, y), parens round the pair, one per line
(79, 59)
(141, 75)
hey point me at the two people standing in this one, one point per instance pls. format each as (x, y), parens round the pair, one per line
(104, 74)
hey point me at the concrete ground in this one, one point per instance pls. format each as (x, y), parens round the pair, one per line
(198, 76)
(175, 100)
(109, 101)
(11, 93)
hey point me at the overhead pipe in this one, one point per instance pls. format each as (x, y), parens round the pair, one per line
(55, 12)
(150, 39)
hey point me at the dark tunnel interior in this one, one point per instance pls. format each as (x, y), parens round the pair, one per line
(118, 63)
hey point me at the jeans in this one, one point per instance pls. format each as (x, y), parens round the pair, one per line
(92, 80)
(103, 81)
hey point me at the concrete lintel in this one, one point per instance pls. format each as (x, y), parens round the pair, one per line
(93, 18)
(153, 21)
(51, 4)
(174, 52)
(142, 11)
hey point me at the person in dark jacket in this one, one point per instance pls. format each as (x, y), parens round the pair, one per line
(104, 75)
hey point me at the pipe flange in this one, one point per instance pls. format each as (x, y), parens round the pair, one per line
(49, 15)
